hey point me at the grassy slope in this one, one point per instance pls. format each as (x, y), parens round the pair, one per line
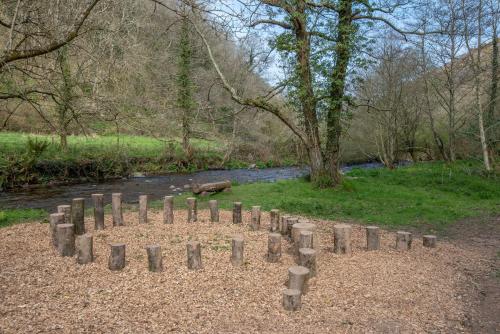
(427, 195)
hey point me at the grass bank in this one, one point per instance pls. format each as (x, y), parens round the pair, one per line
(428, 196)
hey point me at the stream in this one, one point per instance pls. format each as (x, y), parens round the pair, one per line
(155, 186)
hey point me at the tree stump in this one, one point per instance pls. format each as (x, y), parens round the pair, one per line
(302, 225)
(429, 241)
(66, 239)
(306, 239)
(297, 278)
(54, 220)
(168, 210)
(283, 225)
(292, 299)
(372, 238)
(84, 249)
(237, 244)
(342, 239)
(116, 208)
(98, 201)
(237, 219)
(255, 222)
(143, 209)
(403, 240)
(307, 258)
(275, 220)
(214, 210)
(117, 257)
(66, 209)
(77, 215)
(155, 258)
(194, 255)
(192, 209)
(289, 226)
(274, 247)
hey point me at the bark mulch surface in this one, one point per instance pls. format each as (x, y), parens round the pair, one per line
(386, 291)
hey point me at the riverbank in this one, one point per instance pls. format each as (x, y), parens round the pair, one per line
(425, 196)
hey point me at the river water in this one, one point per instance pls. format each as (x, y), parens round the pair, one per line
(155, 186)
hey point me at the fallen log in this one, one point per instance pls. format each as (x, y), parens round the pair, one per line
(210, 187)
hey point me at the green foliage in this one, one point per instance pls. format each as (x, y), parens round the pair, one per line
(15, 216)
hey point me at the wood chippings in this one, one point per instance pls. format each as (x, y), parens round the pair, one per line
(385, 291)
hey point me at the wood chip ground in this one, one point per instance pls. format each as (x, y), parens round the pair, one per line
(386, 291)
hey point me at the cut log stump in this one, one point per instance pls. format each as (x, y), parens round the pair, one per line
(283, 225)
(403, 240)
(429, 241)
(289, 226)
(143, 209)
(255, 222)
(84, 249)
(98, 201)
(211, 187)
(116, 208)
(342, 239)
(237, 245)
(155, 258)
(192, 209)
(275, 220)
(66, 239)
(194, 255)
(297, 278)
(302, 225)
(237, 218)
(77, 215)
(307, 258)
(66, 209)
(54, 220)
(292, 299)
(306, 239)
(117, 257)
(274, 247)
(214, 210)
(168, 210)
(372, 238)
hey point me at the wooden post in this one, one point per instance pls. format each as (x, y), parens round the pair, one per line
(194, 255)
(66, 209)
(98, 200)
(214, 210)
(429, 241)
(307, 258)
(54, 220)
(289, 226)
(116, 206)
(66, 239)
(274, 247)
(306, 239)
(255, 223)
(302, 225)
(155, 259)
(275, 220)
(84, 249)
(237, 250)
(77, 215)
(292, 299)
(297, 278)
(237, 206)
(342, 239)
(283, 225)
(403, 240)
(372, 238)
(117, 257)
(168, 210)
(192, 210)
(143, 209)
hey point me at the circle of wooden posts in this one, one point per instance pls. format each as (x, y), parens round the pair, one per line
(237, 218)
(237, 244)
(143, 209)
(116, 209)
(403, 240)
(255, 221)
(342, 239)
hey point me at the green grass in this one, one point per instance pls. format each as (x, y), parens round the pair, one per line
(15, 216)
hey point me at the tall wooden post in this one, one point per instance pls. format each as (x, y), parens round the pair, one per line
(117, 257)
(237, 219)
(116, 206)
(237, 244)
(274, 247)
(98, 201)
(192, 210)
(275, 220)
(84, 249)
(372, 238)
(168, 210)
(194, 255)
(214, 211)
(66, 239)
(255, 222)
(143, 209)
(54, 220)
(66, 209)
(342, 239)
(77, 215)
(155, 259)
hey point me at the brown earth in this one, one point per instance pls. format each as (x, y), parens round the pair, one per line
(449, 289)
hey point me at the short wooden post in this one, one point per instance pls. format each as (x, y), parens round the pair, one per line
(429, 241)
(155, 258)
(307, 258)
(255, 222)
(84, 249)
(168, 210)
(143, 209)
(194, 255)
(214, 210)
(372, 238)
(116, 207)
(289, 226)
(77, 215)
(66, 239)
(297, 278)
(237, 244)
(283, 224)
(54, 220)
(292, 299)
(403, 240)
(306, 239)
(98, 201)
(237, 219)
(117, 257)
(192, 209)
(66, 209)
(342, 239)
(275, 220)
(274, 247)
(302, 225)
